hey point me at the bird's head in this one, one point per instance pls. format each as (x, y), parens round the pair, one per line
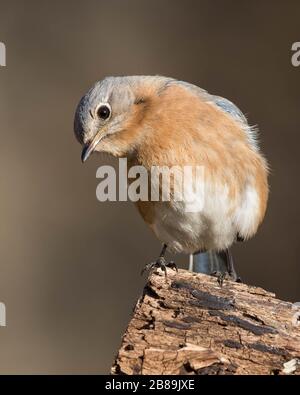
(110, 117)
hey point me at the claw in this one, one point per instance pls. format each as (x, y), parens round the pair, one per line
(172, 265)
(225, 276)
(220, 277)
(160, 263)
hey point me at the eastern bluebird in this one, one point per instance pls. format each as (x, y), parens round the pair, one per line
(159, 121)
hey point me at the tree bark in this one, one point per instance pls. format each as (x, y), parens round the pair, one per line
(188, 324)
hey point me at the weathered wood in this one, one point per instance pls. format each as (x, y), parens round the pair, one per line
(189, 325)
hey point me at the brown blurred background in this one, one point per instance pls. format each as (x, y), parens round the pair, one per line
(70, 266)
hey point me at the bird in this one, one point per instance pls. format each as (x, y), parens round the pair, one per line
(162, 121)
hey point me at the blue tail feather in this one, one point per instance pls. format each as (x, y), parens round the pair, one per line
(209, 262)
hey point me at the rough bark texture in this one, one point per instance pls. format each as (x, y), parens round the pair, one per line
(188, 324)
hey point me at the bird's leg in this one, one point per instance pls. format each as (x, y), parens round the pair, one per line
(229, 273)
(230, 267)
(160, 263)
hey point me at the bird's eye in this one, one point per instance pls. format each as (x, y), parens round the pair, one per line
(103, 111)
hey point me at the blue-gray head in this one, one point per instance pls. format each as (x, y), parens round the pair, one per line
(112, 108)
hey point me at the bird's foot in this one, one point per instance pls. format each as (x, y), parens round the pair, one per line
(221, 276)
(160, 263)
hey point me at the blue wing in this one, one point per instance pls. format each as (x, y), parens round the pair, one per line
(230, 108)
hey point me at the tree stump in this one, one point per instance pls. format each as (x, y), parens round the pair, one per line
(188, 324)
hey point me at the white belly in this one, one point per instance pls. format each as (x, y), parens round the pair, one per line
(215, 226)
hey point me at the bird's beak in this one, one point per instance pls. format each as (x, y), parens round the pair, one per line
(89, 148)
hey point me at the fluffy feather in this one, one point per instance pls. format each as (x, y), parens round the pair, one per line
(159, 121)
